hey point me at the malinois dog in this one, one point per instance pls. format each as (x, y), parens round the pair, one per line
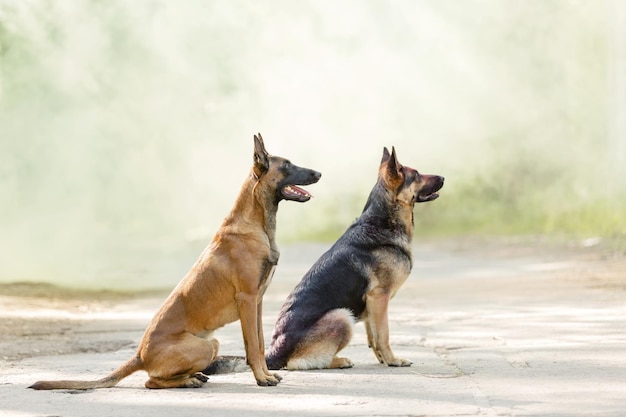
(225, 284)
(355, 279)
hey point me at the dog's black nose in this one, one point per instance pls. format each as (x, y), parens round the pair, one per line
(316, 175)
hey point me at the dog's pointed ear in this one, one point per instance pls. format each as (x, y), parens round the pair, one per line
(385, 155)
(261, 157)
(394, 169)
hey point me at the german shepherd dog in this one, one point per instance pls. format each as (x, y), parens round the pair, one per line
(225, 284)
(355, 279)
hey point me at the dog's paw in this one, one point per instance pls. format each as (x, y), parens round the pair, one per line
(400, 362)
(202, 377)
(269, 380)
(196, 381)
(193, 381)
(341, 363)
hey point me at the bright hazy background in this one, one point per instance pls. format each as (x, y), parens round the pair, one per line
(126, 126)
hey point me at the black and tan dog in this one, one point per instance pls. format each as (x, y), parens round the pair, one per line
(225, 284)
(355, 279)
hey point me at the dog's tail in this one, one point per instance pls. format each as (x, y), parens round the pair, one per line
(132, 365)
(274, 362)
(226, 365)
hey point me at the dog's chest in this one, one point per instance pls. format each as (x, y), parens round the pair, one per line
(392, 270)
(398, 277)
(267, 273)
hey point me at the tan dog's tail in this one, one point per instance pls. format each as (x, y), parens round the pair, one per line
(226, 365)
(132, 365)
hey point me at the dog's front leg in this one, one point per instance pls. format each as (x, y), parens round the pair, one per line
(250, 320)
(371, 338)
(259, 327)
(377, 303)
(259, 316)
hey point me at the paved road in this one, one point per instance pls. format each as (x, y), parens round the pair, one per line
(489, 334)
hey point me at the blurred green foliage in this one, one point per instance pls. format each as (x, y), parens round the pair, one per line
(126, 126)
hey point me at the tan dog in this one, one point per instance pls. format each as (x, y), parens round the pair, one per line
(225, 284)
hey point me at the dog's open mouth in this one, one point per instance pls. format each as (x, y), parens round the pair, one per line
(429, 193)
(295, 193)
(422, 197)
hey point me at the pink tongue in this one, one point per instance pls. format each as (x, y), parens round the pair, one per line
(297, 190)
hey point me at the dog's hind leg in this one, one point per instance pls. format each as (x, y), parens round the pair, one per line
(178, 363)
(327, 337)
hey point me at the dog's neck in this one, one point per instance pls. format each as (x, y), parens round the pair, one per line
(253, 209)
(382, 206)
(404, 213)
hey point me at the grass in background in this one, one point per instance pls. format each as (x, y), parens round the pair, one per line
(125, 127)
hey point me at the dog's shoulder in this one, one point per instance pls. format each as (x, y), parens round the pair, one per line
(342, 265)
(388, 250)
